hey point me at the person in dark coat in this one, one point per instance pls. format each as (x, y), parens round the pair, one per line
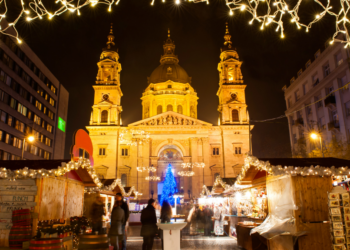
(116, 231)
(165, 217)
(125, 207)
(97, 211)
(208, 213)
(149, 225)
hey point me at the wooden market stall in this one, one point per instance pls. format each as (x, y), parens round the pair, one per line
(49, 198)
(297, 191)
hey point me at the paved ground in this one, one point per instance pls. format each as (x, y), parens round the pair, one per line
(188, 242)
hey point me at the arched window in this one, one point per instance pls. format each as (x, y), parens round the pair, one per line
(235, 116)
(124, 180)
(104, 116)
(179, 109)
(192, 112)
(169, 107)
(159, 109)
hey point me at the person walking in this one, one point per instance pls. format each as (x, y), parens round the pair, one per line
(117, 221)
(149, 225)
(208, 213)
(97, 211)
(125, 207)
(165, 217)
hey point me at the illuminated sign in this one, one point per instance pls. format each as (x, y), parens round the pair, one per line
(61, 124)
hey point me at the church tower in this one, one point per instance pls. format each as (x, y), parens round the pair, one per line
(107, 109)
(231, 93)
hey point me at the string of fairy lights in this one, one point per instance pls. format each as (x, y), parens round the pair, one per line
(264, 12)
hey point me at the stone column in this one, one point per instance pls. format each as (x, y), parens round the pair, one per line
(99, 116)
(109, 116)
(206, 155)
(195, 180)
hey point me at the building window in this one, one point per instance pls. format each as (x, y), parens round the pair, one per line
(48, 141)
(317, 54)
(49, 128)
(318, 102)
(179, 109)
(308, 64)
(52, 102)
(124, 180)
(315, 80)
(216, 151)
(344, 81)
(297, 95)
(159, 109)
(125, 152)
(13, 103)
(292, 80)
(300, 72)
(338, 59)
(37, 120)
(169, 107)
(102, 151)
(19, 126)
(9, 120)
(289, 102)
(3, 116)
(169, 86)
(326, 70)
(238, 150)
(104, 116)
(235, 116)
(304, 88)
(295, 138)
(322, 123)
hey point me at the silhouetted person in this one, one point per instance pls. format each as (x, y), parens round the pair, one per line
(116, 231)
(97, 211)
(125, 207)
(149, 225)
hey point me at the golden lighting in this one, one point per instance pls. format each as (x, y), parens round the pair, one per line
(31, 138)
(314, 136)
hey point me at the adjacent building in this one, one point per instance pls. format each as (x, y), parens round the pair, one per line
(318, 99)
(32, 102)
(169, 118)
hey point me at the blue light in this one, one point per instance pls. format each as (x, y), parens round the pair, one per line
(169, 187)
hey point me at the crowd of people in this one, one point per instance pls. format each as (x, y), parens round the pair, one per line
(199, 219)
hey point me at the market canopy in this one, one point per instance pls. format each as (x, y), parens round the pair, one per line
(80, 174)
(255, 168)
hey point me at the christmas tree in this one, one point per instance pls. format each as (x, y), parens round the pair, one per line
(169, 187)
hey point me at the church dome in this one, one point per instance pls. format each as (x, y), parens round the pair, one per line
(169, 68)
(169, 71)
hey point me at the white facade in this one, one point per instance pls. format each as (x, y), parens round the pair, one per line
(327, 72)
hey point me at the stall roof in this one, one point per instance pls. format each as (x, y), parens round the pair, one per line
(307, 162)
(81, 173)
(256, 168)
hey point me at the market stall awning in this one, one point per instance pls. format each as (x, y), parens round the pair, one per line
(81, 174)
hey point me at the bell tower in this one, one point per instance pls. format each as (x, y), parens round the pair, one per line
(231, 93)
(107, 109)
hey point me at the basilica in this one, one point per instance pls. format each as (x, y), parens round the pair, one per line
(169, 132)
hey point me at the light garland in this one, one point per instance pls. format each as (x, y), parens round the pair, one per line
(186, 173)
(265, 12)
(192, 165)
(132, 137)
(146, 169)
(27, 173)
(289, 170)
(152, 178)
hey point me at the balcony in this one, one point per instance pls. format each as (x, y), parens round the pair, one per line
(333, 125)
(330, 100)
(299, 121)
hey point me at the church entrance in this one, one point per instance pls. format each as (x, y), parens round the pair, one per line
(170, 154)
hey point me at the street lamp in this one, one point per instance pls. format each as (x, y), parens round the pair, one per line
(316, 136)
(30, 139)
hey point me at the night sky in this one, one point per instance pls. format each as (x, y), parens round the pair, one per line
(70, 46)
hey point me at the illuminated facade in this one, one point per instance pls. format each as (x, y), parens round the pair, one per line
(169, 119)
